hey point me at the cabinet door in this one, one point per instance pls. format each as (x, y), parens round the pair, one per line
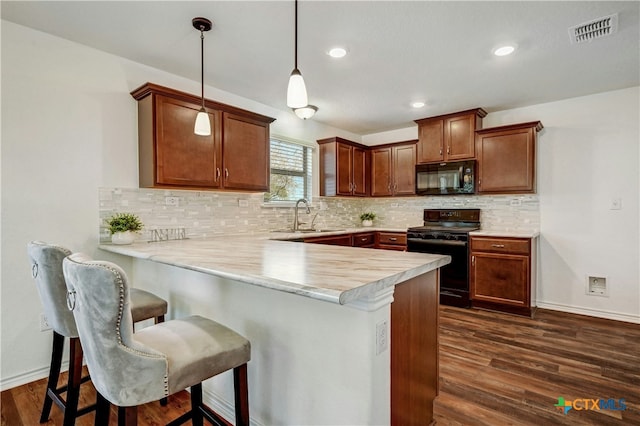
(506, 161)
(459, 137)
(381, 181)
(245, 153)
(359, 172)
(334, 240)
(404, 170)
(182, 157)
(500, 278)
(431, 142)
(344, 169)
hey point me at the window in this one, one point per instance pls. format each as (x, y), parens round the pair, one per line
(291, 165)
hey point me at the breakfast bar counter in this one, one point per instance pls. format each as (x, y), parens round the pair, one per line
(339, 335)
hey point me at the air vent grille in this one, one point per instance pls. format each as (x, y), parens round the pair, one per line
(592, 30)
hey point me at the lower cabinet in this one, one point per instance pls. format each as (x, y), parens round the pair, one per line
(334, 240)
(503, 274)
(373, 239)
(365, 240)
(391, 240)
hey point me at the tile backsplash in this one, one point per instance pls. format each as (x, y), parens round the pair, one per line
(201, 214)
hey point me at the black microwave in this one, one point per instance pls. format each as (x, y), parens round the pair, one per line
(452, 178)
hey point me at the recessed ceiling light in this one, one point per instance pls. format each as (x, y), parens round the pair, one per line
(417, 104)
(337, 52)
(504, 50)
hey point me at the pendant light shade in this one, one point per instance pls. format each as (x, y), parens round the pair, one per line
(296, 91)
(203, 125)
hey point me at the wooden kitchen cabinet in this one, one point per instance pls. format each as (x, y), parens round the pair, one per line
(391, 240)
(235, 156)
(393, 169)
(449, 137)
(364, 239)
(503, 274)
(507, 158)
(245, 153)
(344, 167)
(334, 240)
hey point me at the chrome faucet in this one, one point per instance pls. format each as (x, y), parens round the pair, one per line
(296, 223)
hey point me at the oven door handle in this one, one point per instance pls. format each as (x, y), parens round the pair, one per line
(436, 242)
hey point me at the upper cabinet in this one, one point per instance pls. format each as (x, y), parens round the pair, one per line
(507, 158)
(393, 169)
(344, 168)
(235, 156)
(449, 137)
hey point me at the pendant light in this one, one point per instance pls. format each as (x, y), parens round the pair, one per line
(203, 125)
(296, 91)
(306, 111)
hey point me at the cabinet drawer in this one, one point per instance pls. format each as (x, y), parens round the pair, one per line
(501, 245)
(334, 240)
(392, 238)
(366, 239)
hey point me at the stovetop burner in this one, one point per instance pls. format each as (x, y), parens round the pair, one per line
(448, 221)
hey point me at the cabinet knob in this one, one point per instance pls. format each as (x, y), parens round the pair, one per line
(473, 260)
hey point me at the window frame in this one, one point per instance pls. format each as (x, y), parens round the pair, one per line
(307, 173)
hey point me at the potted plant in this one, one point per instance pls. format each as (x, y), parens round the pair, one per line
(123, 227)
(367, 218)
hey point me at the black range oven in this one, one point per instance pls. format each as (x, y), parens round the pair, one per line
(446, 231)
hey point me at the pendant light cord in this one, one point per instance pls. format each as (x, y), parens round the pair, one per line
(202, 64)
(296, 36)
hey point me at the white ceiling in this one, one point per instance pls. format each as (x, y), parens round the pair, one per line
(399, 51)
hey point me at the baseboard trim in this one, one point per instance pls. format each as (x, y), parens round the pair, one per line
(28, 377)
(225, 408)
(598, 313)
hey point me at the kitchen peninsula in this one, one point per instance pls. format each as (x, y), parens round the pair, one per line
(318, 318)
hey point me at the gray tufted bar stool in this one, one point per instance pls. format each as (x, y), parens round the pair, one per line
(46, 268)
(130, 369)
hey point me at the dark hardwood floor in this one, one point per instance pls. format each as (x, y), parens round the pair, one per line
(499, 369)
(495, 369)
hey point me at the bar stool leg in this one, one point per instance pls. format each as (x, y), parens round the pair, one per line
(75, 378)
(103, 408)
(241, 394)
(54, 373)
(128, 416)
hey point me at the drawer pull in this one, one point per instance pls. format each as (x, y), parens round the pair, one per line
(363, 239)
(473, 261)
(497, 245)
(393, 239)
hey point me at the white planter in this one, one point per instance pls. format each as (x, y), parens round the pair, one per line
(126, 237)
(367, 223)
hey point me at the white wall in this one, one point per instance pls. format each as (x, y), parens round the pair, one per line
(70, 127)
(587, 155)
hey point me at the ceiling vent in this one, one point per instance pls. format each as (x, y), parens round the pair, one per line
(592, 30)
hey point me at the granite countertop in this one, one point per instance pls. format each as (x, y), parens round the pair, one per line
(511, 234)
(325, 272)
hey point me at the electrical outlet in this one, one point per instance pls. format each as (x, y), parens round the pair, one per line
(44, 324)
(171, 201)
(382, 337)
